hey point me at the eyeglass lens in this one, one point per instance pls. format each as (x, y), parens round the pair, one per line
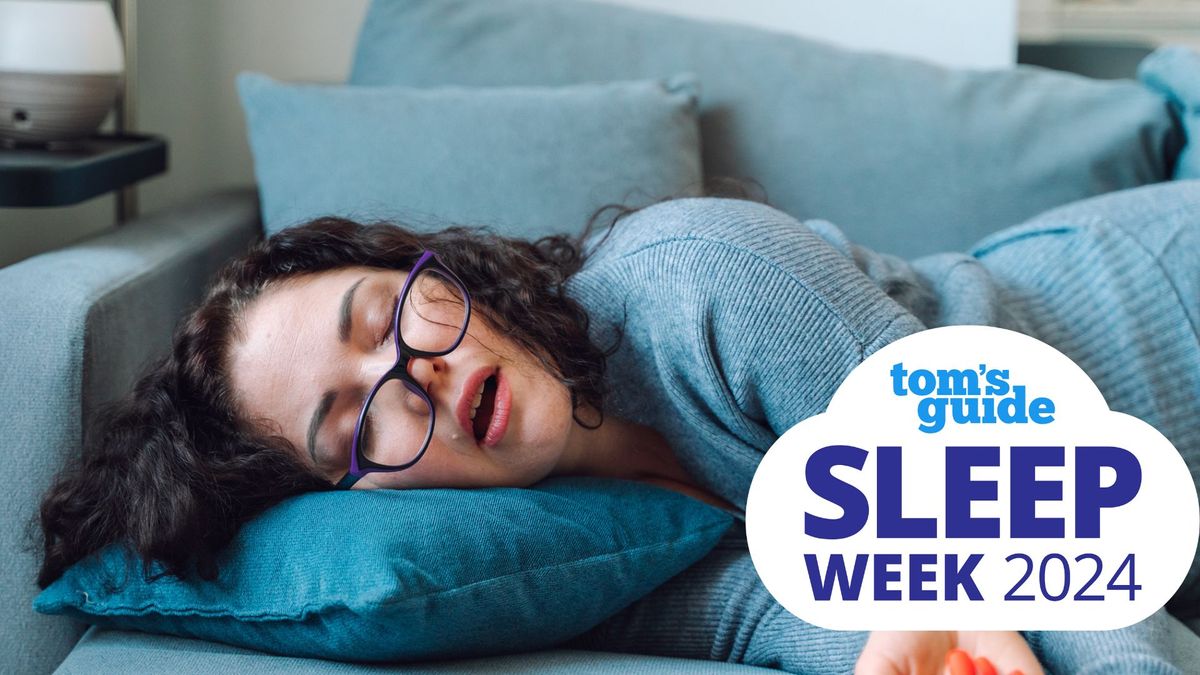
(398, 423)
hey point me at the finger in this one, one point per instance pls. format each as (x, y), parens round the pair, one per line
(984, 667)
(958, 662)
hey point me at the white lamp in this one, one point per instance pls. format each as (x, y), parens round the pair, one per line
(61, 64)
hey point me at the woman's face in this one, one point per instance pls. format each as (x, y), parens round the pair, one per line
(293, 357)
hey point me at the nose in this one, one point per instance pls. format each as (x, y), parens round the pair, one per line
(427, 371)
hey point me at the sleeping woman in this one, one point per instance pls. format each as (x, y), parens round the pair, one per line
(672, 348)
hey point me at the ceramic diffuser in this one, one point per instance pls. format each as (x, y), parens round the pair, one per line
(61, 63)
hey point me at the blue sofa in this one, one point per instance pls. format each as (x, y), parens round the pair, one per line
(79, 323)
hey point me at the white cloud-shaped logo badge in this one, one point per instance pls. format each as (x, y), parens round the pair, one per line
(972, 478)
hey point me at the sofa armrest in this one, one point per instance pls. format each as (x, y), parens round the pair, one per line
(77, 325)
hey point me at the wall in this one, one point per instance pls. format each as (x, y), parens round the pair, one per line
(970, 34)
(190, 50)
(1149, 22)
(188, 54)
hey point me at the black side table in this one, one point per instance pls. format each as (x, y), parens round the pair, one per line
(68, 174)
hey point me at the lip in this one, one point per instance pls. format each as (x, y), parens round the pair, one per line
(500, 412)
(467, 396)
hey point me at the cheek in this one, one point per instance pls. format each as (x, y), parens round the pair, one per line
(425, 474)
(552, 410)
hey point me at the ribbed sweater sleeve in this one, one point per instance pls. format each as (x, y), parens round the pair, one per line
(738, 322)
(718, 610)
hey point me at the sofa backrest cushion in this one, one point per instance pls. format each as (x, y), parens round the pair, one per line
(906, 156)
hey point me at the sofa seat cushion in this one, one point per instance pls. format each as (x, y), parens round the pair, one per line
(104, 650)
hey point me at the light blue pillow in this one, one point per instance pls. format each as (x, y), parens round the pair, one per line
(528, 161)
(907, 157)
(381, 575)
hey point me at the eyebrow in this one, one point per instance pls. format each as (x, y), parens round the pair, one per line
(344, 314)
(327, 399)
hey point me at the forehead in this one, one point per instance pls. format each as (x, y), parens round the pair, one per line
(289, 332)
(298, 309)
(325, 281)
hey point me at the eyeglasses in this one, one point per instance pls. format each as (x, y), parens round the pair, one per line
(431, 319)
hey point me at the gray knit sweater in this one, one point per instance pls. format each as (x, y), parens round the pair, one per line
(740, 321)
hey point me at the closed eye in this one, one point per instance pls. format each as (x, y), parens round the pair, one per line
(391, 323)
(366, 434)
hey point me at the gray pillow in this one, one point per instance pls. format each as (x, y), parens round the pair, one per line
(905, 156)
(527, 161)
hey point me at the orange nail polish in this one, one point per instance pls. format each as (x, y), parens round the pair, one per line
(984, 667)
(959, 662)
(1017, 672)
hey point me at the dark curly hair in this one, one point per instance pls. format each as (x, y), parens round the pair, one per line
(172, 470)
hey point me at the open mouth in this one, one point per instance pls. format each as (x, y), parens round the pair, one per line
(483, 414)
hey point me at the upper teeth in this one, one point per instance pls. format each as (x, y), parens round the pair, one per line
(478, 399)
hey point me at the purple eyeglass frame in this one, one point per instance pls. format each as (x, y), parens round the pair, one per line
(359, 465)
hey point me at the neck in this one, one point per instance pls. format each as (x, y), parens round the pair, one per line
(622, 449)
(619, 449)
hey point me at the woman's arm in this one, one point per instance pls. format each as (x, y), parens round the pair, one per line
(736, 323)
(752, 317)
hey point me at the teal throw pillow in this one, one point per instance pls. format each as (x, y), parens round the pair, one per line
(527, 161)
(383, 575)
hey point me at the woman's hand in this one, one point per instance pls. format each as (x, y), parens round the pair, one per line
(942, 653)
